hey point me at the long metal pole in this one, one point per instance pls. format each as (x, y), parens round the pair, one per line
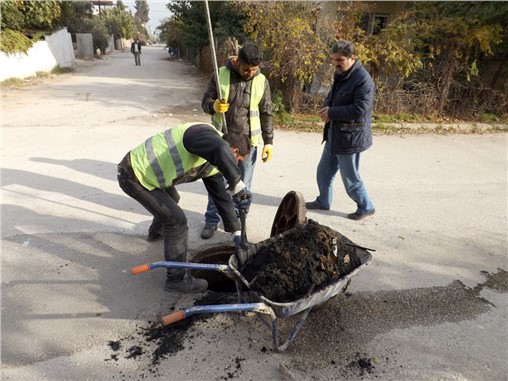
(214, 59)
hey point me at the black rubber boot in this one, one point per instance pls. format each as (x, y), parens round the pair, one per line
(187, 284)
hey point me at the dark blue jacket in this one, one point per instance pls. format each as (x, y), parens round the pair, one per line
(350, 100)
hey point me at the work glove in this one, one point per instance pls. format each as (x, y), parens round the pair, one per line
(241, 196)
(267, 152)
(243, 199)
(220, 106)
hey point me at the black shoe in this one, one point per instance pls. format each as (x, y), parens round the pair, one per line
(153, 236)
(313, 205)
(208, 231)
(188, 284)
(360, 216)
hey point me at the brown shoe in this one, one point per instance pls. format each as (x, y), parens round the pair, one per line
(360, 216)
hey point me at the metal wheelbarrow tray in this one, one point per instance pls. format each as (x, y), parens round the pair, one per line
(259, 304)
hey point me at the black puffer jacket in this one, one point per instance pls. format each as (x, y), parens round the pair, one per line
(237, 117)
(350, 100)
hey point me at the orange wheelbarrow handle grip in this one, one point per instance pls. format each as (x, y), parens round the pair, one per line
(140, 269)
(173, 317)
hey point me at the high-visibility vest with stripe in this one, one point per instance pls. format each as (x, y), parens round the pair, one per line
(162, 160)
(257, 91)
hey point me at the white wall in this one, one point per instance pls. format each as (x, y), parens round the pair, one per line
(56, 50)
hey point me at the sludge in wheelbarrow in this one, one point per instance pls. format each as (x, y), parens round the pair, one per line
(301, 266)
(299, 262)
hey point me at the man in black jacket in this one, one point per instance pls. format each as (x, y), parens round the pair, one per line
(136, 50)
(347, 113)
(182, 154)
(247, 107)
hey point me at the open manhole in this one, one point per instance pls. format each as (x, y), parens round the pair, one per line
(218, 255)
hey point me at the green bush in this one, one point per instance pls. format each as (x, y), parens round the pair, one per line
(12, 41)
(488, 118)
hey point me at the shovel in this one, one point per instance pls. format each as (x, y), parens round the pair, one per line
(242, 252)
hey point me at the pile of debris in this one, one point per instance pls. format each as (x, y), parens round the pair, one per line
(301, 261)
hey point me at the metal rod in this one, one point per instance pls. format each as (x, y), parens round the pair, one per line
(359, 247)
(214, 60)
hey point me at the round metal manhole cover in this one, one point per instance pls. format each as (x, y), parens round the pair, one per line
(291, 213)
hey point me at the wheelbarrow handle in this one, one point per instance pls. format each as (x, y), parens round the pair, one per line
(179, 265)
(140, 269)
(173, 317)
(242, 307)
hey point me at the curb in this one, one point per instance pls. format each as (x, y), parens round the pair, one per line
(442, 127)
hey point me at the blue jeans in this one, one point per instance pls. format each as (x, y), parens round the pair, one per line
(349, 166)
(247, 168)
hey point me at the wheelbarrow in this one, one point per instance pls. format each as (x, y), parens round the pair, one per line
(290, 215)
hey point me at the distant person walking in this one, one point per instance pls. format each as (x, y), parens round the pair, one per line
(136, 50)
(347, 113)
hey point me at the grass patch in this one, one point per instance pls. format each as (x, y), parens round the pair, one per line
(489, 118)
(35, 79)
(401, 118)
(62, 70)
(297, 122)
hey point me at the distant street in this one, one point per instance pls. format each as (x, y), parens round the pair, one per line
(432, 305)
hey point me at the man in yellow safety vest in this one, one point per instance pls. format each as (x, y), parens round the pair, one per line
(150, 172)
(247, 107)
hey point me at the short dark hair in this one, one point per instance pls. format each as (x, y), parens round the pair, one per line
(249, 55)
(240, 141)
(347, 48)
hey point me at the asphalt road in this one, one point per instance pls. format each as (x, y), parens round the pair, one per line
(431, 305)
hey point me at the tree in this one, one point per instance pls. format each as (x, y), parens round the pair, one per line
(100, 34)
(119, 22)
(24, 19)
(425, 60)
(457, 37)
(188, 27)
(141, 18)
(287, 32)
(76, 16)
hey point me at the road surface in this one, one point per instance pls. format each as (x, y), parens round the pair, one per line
(431, 305)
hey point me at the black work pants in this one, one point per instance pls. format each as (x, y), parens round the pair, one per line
(163, 205)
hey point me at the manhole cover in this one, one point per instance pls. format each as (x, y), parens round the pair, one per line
(291, 212)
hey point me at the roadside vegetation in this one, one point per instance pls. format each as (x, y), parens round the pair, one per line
(434, 62)
(25, 22)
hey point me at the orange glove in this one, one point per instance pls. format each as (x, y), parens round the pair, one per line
(267, 152)
(220, 106)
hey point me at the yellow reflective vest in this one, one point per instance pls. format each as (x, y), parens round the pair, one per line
(162, 160)
(257, 91)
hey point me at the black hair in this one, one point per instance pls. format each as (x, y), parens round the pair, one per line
(249, 55)
(240, 141)
(346, 48)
